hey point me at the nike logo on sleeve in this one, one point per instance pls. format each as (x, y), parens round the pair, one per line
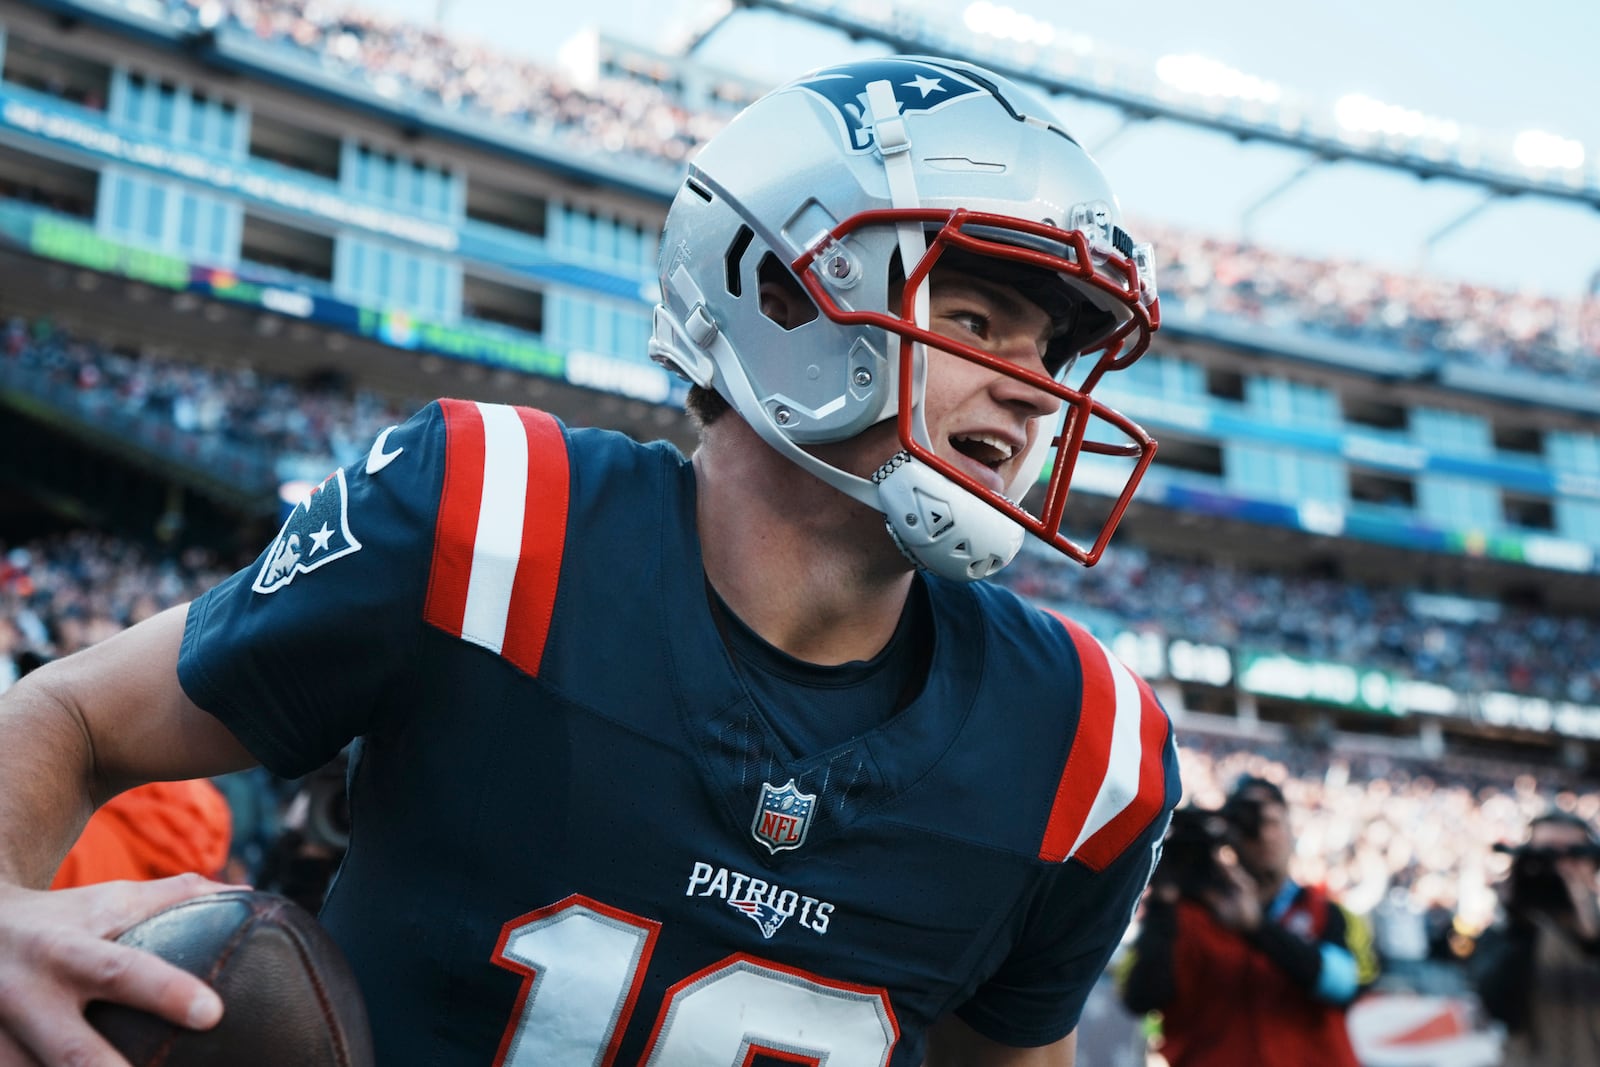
(378, 459)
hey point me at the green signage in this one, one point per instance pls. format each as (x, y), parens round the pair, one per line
(1360, 689)
(72, 243)
(463, 342)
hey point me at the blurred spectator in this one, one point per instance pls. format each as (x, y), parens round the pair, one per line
(64, 593)
(1538, 968)
(256, 801)
(149, 832)
(1245, 964)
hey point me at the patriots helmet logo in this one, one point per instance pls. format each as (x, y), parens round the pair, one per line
(783, 815)
(764, 915)
(918, 87)
(316, 532)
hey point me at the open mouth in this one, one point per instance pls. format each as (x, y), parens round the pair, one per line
(985, 450)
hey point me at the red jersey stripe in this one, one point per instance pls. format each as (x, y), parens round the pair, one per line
(1110, 840)
(544, 535)
(455, 532)
(501, 529)
(1090, 755)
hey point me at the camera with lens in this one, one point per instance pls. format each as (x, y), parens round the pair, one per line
(1189, 851)
(327, 806)
(315, 837)
(1535, 883)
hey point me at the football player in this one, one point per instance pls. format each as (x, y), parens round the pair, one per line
(731, 759)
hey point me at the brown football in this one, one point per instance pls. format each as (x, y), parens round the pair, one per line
(288, 995)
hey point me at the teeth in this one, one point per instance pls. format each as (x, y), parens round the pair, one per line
(1000, 445)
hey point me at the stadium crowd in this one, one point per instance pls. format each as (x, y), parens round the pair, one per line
(1201, 275)
(403, 59)
(65, 593)
(236, 406)
(1408, 843)
(324, 424)
(1204, 275)
(1344, 621)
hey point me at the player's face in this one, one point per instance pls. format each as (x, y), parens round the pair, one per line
(980, 420)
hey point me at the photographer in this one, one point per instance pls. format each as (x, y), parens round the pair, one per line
(315, 836)
(1538, 969)
(1245, 965)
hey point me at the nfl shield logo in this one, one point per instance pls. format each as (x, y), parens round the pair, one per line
(783, 816)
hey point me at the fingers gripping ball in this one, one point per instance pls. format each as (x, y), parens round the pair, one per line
(288, 995)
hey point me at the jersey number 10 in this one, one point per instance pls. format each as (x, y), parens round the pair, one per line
(583, 963)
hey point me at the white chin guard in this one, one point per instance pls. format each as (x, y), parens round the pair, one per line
(940, 526)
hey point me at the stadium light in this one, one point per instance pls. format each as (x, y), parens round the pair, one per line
(1541, 150)
(998, 20)
(1203, 76)
(1359, 113)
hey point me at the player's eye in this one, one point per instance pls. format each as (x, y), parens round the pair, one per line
(973, 322)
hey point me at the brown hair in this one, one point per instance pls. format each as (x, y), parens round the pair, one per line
(705, 406)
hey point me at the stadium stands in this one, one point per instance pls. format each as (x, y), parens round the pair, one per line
(1404, 838)
(1203, 276)
(400, 58)
(1369, 824)
(1206, 274)
(272, 420)
(257, 419)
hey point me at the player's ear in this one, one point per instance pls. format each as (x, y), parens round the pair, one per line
(782, 298)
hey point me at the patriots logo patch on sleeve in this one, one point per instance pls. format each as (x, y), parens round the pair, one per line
(316, 532)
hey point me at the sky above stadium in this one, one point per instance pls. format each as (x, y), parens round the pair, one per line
(1491, 67)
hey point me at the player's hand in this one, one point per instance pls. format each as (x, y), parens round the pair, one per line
(56, 955)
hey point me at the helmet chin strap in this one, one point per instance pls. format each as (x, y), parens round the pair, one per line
(894, 148)
(936, 523)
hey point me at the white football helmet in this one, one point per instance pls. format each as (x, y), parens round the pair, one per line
(860, 177)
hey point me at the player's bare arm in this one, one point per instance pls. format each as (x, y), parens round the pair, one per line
(72, 734)
(952, 1043)
(80, 730)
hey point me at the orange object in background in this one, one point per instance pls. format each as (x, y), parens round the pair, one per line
(152, 831)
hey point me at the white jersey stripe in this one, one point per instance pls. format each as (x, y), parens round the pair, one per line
(498, 545)
(1120, 786)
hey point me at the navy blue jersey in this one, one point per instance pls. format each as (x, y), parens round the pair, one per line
(576, 838)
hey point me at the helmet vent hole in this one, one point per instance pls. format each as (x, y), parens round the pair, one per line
(736, 251)
(783, 299)
(698, 190)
